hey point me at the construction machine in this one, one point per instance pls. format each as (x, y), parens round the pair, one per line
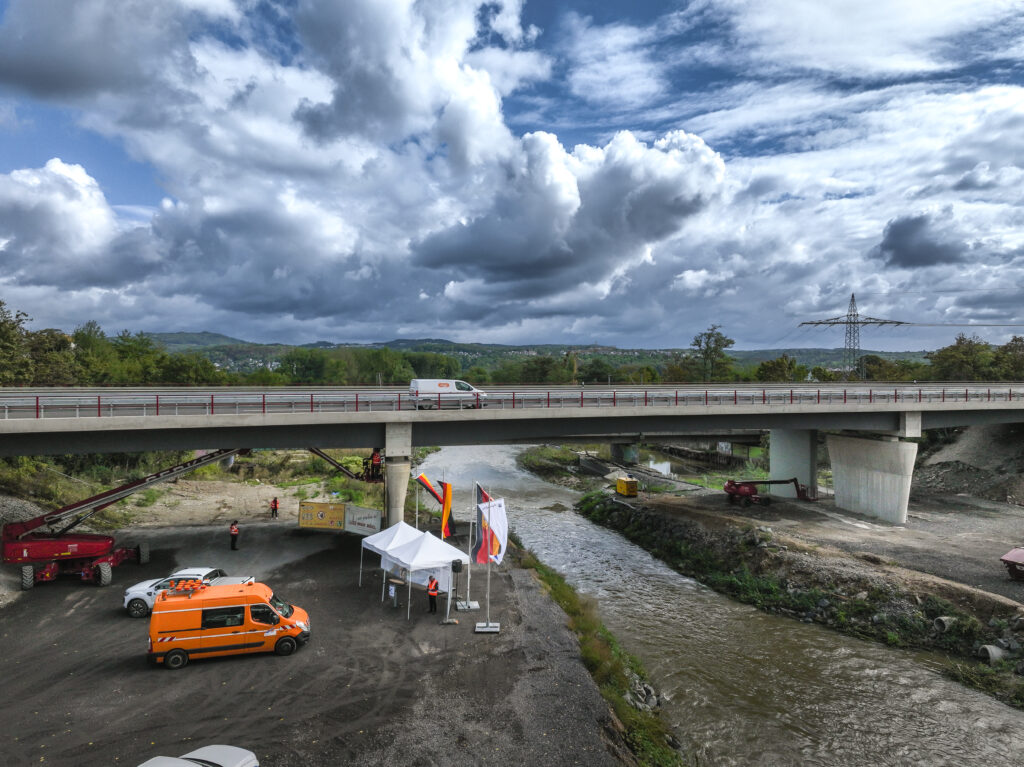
(747, 491)
(45, 547)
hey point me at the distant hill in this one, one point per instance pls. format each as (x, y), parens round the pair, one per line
(179, 342)
(235, 354)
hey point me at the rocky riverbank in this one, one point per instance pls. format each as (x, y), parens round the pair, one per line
(865, 596)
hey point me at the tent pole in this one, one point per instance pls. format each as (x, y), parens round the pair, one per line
(448, 609)
(408, 600)
(360, 566)
(383, 581)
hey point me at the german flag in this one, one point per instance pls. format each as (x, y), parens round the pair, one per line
(422, 479)
(446, 509)
(487, 543)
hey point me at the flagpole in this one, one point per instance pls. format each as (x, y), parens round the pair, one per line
(488, 627)
(417, 505)
(467, 603)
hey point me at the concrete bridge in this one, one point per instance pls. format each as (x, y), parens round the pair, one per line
(871, 460)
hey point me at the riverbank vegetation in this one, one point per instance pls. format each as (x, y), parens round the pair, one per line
(612, 668)
(751, 565)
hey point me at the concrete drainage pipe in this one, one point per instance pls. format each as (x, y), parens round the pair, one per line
(990, 653)
(943, 623)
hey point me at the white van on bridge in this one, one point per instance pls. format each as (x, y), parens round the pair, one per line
(445, 392)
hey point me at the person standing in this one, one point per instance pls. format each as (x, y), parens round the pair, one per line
(375, 464)
(234, 535)
(273, 509)
(432, 593)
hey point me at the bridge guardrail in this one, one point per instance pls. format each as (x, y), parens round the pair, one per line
(112, 405)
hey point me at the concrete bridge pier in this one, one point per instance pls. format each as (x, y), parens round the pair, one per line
(398, 453)
(872, 476)
(625, 452)
(793, 453)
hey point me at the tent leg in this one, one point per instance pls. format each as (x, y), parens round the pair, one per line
(408, 601)
(383, 581)
(360, 567)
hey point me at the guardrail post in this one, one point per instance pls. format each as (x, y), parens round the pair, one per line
(613, 398)
(549, 399)
(264, 403)
(37, 407)
(918, 395)
(158, 404)
(310, 403)
(439, 400)
(989, 395)
(943, 395)
(705, 397)
(764, 397)
(400, 401)
(513, 400)
(99, 407)
(871, 396)
(357, 401)
(677, 397)
(790, 396)
(819, 396)
(895, 395)
(735, 397)
(645, 398)
(967, 395)
(844, 396)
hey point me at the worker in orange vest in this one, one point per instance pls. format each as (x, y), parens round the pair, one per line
(432, 593)
(273, 509)
(234, 535)
(375, 463)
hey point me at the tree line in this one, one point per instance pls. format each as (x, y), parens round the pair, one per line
(88, 357)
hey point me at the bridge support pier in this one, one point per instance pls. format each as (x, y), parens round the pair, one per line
(398, 452)
(793, 453)
(625, 452)
(872, 476)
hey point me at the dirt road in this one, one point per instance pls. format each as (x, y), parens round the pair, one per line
(371, 688)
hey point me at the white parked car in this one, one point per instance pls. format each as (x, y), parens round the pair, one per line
(138, 599)
(207, 756)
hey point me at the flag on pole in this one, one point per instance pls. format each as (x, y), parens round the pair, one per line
(483, 543)
(422, 479)
(494, 532)
(446, 509)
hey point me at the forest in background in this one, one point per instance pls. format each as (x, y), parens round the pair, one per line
(87, 356)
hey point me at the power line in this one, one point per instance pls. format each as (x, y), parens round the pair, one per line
(853, 321)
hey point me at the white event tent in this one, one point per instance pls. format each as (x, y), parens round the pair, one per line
(416, 558)
(392, 537)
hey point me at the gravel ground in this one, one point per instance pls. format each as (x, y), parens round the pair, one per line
(371, 688)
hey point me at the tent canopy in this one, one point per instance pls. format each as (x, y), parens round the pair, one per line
(425, 553)
(398, 534)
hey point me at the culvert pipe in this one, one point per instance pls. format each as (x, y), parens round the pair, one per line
(990, 653)
(943, 623)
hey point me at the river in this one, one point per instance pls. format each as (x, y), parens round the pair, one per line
(744, 687)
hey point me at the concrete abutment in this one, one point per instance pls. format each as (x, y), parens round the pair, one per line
(872, 476)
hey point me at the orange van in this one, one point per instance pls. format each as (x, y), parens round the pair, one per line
(196, 620)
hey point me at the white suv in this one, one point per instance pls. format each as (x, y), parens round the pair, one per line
(139, 599)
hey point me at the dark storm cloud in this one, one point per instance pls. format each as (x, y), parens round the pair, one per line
(565, 220)
(90, 46)
(919, 241)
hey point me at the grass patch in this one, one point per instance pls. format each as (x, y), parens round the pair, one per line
(548, 461)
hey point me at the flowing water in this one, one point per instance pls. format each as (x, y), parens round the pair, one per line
(745, 688)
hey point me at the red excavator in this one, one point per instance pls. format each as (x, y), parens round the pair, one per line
(45, 546)
(746, 491)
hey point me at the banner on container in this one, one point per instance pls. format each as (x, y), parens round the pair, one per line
(339, 517)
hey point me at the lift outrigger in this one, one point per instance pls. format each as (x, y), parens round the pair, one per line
(45, 546)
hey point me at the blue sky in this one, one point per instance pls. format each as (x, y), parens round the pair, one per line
(514, 172)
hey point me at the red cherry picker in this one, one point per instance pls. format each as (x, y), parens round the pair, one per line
(45, 547)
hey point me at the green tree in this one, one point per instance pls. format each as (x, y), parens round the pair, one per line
(386, 366)
(1008, 361)
(139, 359)
(967, 359)
(190, 369)
(53, 358)
(477, 376)
(784, 368)
(707, 351)
(818, 373)
(596, 370)
(543, 369)
(94, 354)
(433, 365)
(15, 358)
(303, 365)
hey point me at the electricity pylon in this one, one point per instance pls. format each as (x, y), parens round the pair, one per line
(853, 320)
